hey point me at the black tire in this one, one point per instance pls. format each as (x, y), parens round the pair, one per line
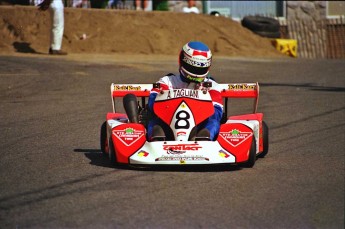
(103, 138)
(112, 155)
(260, 23)
(268, 34)
(252, 155)
(265, 139)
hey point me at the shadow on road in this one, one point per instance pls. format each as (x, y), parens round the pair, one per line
(24, 47)
(96, 157)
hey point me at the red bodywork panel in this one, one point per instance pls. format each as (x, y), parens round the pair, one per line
(256, 116)
(237, 139)
(127, 139)
(116, 116)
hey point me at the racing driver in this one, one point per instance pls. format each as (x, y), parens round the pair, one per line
(195, 60)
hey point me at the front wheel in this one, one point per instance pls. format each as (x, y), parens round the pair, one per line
(103, 138)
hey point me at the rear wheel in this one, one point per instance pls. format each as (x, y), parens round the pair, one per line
(265, 139)
(103, 138)
(252, 155)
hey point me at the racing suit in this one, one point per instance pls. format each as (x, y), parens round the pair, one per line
(171, 81)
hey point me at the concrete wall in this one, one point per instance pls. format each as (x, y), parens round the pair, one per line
(317, 36)
(314, 10)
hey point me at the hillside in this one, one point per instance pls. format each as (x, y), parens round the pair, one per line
(26, 29)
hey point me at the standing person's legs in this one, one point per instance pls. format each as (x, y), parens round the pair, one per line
(57, 19)
(141, 4)
(138, 4)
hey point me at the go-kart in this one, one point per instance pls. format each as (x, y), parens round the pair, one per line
(123, 136)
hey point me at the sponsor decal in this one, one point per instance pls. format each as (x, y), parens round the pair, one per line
(128, 136)
(224, 154)
(169, 151)
(182, 147)
(182, 159)
(126, 88)
(143, 153)
(183, 93)
(198, 64)
(235, 137)
(241, 87)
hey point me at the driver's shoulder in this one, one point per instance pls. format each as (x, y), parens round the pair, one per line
(168, 77)
(211, 78)
(169, 80)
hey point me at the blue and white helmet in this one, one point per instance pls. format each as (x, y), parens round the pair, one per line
(195, 61)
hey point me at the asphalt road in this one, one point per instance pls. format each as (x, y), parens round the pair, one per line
(52, 174)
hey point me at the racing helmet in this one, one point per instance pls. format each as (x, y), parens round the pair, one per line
(195, 61)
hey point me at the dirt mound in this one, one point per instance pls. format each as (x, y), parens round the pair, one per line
(26, 29)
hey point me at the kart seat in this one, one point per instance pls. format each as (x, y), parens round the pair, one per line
(158, 134)
(202, 135)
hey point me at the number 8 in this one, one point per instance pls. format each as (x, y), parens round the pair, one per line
(180, 117)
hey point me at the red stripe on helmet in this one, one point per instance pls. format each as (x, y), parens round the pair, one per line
(200, 53)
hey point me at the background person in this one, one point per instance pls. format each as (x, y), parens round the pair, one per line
(141, 5)
(56, 8)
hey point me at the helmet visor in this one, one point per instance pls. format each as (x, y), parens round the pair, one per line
(195, 71)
